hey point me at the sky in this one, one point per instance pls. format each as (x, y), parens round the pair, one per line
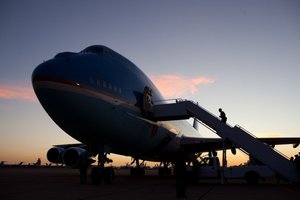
(242, 56)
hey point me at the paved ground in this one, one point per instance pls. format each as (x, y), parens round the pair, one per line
(54, 183)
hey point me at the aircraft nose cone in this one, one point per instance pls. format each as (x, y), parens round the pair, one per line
(44, 70)
(37, 73)
(53, 75)
(57, 68)
(50, 70)
(45, 74)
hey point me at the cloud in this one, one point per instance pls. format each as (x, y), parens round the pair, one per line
(176, 86)
(17, 92)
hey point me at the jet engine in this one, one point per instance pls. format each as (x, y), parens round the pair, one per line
(54, 154)
(73, 156)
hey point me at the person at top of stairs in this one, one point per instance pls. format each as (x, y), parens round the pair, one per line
(222, 115)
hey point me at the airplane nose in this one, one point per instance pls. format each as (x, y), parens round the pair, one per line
(45, 75)
(56, 68)
(54, 74)
(51, 70)
(39, 72)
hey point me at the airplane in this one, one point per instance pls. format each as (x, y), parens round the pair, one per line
(98, 97)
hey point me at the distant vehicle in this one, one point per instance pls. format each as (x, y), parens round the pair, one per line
(210, 168)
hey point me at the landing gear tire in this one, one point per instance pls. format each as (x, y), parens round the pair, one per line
(164, 172)
(137, 171)
(106, 174)
(97, 175)
(252, 178)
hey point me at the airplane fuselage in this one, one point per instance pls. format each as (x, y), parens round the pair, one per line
(96, 97)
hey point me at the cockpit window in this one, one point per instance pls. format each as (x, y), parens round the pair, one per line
(99, 49)
(93, 49)
(64, 55)
(96, 49)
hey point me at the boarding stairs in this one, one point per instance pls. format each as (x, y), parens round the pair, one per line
(184, 109)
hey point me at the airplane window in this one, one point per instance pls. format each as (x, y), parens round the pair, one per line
(98, 49)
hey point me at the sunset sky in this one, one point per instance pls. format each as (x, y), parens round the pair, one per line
(243, 56)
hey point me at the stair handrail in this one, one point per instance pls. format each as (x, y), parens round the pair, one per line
(164, 100)
(208, 127)
(248, 132)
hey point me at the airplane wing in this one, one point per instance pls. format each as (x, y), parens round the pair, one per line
(66, 146)
(191, 144)
(277, 141)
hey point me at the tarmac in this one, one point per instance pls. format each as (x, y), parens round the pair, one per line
(63, 183)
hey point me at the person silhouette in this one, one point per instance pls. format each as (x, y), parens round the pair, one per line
(147, 101)
(83, 169)
(222, 115)
(180, 172)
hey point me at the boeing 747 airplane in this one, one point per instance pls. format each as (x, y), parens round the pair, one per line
(103, 100)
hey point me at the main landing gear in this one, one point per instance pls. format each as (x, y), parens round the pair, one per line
(101, 173)
(137, 170)
(164, 170)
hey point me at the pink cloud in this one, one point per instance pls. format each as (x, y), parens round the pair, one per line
(175, 86)
(17, 92)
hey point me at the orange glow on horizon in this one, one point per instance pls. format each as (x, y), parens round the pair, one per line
(16, 157)
(17, 92)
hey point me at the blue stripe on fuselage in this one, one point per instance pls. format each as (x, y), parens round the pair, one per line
(91, 116)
